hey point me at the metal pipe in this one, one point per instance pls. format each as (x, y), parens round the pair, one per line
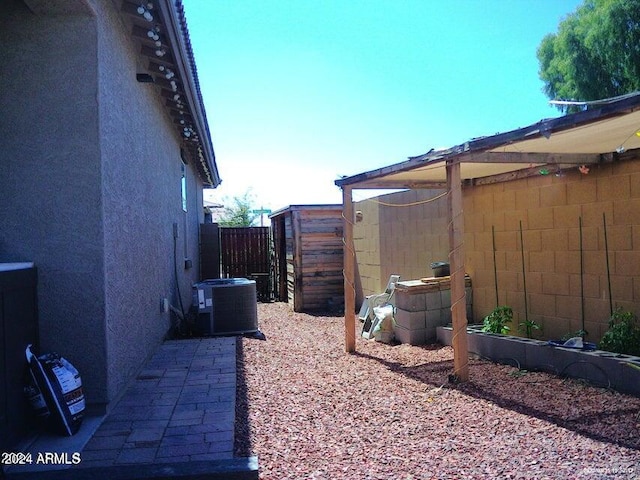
(524, 276)
(581, 278)
(606, 249)
(495, 267)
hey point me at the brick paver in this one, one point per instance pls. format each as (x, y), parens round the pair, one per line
(180, 407)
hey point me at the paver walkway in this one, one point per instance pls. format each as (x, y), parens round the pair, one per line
(181, 407)
(180, 410)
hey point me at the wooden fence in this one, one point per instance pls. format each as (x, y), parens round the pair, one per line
(245, 252)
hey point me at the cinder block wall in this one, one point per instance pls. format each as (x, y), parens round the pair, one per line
(549, 208)
(366, 238)
(400, 233)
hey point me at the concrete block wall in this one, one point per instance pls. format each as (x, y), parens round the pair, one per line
(549, 208)
(366, 238)
(399, 234)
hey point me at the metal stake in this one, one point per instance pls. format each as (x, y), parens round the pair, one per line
(606, 249)
(524, 276)
(581, 277)
(495, 267)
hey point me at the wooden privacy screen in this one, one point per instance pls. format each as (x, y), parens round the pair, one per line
(209, 251)
(246, 253)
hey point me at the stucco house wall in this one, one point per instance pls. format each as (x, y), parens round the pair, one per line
(50, 197)
(141, 188)
(549, 207)
(90, 189)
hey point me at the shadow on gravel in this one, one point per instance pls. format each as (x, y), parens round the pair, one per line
(242, 435)
(617, 425)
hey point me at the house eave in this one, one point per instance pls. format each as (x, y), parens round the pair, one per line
(168, 60)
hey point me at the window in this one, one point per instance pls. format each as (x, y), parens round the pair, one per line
(184, 186)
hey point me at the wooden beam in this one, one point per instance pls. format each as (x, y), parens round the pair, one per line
(456, 259)
(530, 158)
(374, 175)
(167, 59)
(509, 176)
(142, 34)
(404, 184)
(349, 272)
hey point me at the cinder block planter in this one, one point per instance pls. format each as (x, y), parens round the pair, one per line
(422, 306)
(604, 369)
(410, 320)
(412, 337)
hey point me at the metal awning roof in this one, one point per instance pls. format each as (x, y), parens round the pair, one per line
(596, 135)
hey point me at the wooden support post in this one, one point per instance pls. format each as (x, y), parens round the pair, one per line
(456, 260)
(349, 272)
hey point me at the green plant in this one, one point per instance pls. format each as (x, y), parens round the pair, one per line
(623, 335)
(496, 321)
(528, 326)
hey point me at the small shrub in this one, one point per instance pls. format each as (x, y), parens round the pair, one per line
(527, 327)
(496, 321)
(623, 335)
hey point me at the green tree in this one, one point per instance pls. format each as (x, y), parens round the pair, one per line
(239, 212)
(595, 54)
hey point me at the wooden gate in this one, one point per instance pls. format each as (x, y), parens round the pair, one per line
(246, 253)
(209, 251)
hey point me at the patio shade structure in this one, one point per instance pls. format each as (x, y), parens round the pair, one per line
(601, 134)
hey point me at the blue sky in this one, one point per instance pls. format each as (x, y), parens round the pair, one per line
(300, 92)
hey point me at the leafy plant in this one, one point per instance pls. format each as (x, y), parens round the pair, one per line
(589, 58)
(623, 335)
(528, 326)
(238, 211)
(496, 321)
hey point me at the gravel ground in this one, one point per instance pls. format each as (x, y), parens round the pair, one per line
(311, 411)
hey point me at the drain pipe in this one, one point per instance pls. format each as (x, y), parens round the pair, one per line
(179, 313)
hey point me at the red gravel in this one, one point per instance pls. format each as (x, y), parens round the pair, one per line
(311, 411)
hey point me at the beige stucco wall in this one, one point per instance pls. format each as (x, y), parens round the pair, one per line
(549, 207)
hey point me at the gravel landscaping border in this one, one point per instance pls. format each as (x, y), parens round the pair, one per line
(311, 411)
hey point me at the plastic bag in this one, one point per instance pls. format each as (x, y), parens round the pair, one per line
(575, 342)
(383, 329)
